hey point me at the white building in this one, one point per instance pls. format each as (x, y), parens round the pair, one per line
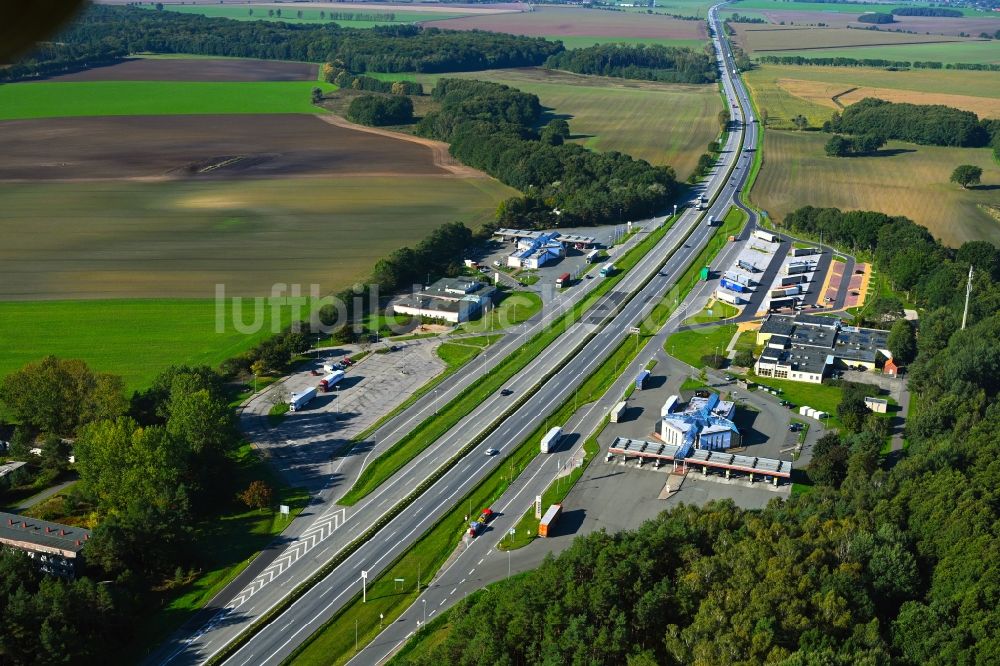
(450, 299)
(705, 423)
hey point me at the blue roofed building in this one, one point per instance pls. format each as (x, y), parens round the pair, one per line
(705, 423)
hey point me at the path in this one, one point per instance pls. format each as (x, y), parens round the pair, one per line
(42, 496)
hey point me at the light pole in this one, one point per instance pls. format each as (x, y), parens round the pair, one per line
(425, 611)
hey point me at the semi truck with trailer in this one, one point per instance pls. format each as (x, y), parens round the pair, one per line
(640, 380)
(592, 256)
(738, 278)
(727, 296)
(607, 270)
(765, 235)
(618, 412)
(551, 439)
(779, 303)
(549, 520)
(789, 280)
(746, 266)
(297, 401)
(329, 381)
(726, 283)
(562, 280)
(801, 266)
(782, 292)
(804, 251)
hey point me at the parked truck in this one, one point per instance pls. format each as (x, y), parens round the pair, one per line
(789, 280)
(475, 527)
(486, 516)
(801, 266)
(727, 296)
(545, 528)
(551, 439)
(804, 251)
(746, 266)
(299, 400)
(592, 256)
(765, 235)
(562, 281)
(782, 292)
(618, 412)
(328, 382)
(640, 380)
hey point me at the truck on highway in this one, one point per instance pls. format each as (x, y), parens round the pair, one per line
(711, 220)
(607, 269)
(618, 412)
(549, 520)
(562, 280)
(640, 380)
(551, 439)
(299, 400)
(328, 382)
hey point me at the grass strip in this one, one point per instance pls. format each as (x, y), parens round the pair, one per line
(432, 428)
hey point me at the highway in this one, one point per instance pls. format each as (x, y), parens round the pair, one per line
(335, 528)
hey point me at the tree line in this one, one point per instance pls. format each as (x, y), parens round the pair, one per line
(879, 564)
(399, 48)
(877, 18)
(874, 62)
(150, 468)
(650, 62)
(927, 11)
(346, 80)
(491, 127)
(926, 124)
(932, 274)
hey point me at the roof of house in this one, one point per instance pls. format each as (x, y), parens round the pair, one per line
(42, 533)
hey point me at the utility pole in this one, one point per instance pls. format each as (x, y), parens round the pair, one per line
(968, 293)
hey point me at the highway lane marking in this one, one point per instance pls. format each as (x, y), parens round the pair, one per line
(480, 560)
(450, 593)
(472, 570)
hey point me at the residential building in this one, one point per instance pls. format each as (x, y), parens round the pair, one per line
(450, 299)
(55, 547)
(806, 347)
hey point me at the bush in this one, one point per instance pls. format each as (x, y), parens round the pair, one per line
(714, 361)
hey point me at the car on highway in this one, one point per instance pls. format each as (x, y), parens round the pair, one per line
(506, 392)
(492, 452)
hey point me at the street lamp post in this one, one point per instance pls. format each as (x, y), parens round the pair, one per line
(425, 611)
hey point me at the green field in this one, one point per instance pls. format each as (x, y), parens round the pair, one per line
(691, 344)
(669, 124)
(290, 15)
(181, 238)
(985, 52)
(49, 99)
(132, 338)
(905, 179)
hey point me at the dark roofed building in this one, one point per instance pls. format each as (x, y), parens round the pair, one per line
(55, 547)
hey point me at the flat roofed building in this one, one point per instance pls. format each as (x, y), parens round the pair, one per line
(804, 347)
(450, 299)
(877, 405)
(55, 547)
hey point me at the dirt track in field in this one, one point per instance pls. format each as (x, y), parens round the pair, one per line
(211, 146)
(197, 69)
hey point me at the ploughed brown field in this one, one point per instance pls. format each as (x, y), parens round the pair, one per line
(935, 25)
(201, 146)
(207, 69)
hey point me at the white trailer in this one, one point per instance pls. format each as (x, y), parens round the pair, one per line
(551, 439)
(618, 411)
(592, 256)
(328, 382)
(804, 251)
(796, 267)
(669, 406)
(299, 400)
(727, 296)
(765, 235)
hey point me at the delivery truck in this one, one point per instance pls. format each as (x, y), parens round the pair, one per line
(551, 440)
(546, 527)
(297, 401)
(618, 412)
(328, 382)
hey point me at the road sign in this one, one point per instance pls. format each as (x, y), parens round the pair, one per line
(399, 580)
(364, 574)
(511, 531)
(538, 507)
(283, 509)
(634, 329)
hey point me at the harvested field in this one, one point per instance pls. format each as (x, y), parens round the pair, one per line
(787, 90)
(758, 39)
(903, 179)
(922, 25)
(207, 69)
(120, 239)
(556, 22)
(853, 8)
(209, 146)
(971, 51)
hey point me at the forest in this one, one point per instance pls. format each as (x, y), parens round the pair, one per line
(926, 124)
(886, 560)
(927, 11)
(650, 62)
(344, 79)
(102, 30)
(876, 17)
(491, 127)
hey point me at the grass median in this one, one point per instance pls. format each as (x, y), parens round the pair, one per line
(431, 429)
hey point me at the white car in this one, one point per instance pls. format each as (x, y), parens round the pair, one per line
(492, 452)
